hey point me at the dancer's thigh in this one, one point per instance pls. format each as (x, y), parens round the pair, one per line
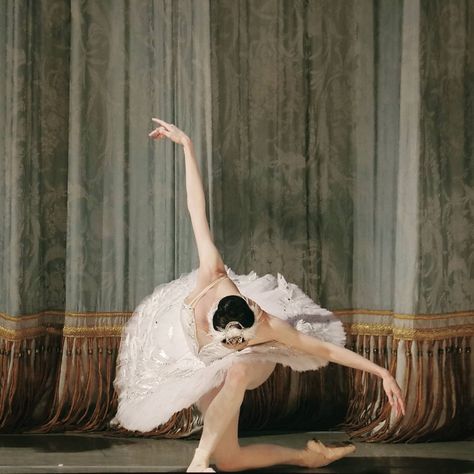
(259, 373)
(203, 403)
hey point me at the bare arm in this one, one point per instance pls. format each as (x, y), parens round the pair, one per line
(210, 260)
(282, 331)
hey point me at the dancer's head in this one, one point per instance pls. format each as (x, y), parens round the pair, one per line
(233, 320)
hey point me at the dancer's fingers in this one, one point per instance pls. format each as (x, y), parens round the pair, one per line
(401, 404)
(159, 133)
(162, 122)
(155, 134)
(398, 405)
(398, 397)
(390, 398)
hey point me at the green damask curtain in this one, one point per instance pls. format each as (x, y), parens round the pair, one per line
(34, 81)
(93, 213)
(351, 132)
(335, 143)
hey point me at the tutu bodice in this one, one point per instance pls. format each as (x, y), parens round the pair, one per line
(188, 321)
(160, 367)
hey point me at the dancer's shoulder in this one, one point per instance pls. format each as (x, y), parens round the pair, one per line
(278, 329)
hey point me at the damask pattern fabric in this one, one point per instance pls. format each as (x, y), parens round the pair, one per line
(335, 141)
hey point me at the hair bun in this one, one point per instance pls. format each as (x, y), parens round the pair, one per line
(232, 308)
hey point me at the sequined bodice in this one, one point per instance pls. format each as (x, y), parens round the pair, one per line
(213, 349)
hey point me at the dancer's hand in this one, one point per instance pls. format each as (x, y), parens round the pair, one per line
(394, 393)
(168, 130)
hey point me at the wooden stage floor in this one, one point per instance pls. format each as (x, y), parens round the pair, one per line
(101, 453)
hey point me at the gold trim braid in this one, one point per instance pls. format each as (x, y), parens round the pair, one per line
(403, 316)
(340, 313)
(410, 333)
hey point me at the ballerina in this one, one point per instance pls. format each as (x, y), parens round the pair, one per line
(210, 335)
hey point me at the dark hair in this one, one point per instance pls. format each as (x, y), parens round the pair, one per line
(232, 308)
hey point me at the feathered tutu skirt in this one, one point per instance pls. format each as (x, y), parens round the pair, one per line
(157, 372)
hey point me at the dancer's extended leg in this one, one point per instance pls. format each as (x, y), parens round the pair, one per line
(230, 456)
(253, 456)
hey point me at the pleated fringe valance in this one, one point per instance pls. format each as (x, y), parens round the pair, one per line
(54, 382)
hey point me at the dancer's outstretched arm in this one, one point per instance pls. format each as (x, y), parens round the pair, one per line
(210, 260)
(284, 332)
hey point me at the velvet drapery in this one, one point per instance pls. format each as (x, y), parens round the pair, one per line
(335, 141)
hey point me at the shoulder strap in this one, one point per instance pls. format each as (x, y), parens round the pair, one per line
(207, 288)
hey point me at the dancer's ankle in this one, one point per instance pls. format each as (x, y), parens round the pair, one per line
(200, 461)
(301, 458)
(202, 455)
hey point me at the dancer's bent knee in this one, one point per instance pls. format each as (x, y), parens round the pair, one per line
(230, 463)
(238, 375)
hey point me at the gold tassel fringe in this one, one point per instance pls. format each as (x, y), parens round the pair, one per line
(28, 369)
(74, 376)
(434, 376)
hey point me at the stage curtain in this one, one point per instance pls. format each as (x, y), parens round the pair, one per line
(343, 132)
(34, 111)
(93, 212)
(335, 143)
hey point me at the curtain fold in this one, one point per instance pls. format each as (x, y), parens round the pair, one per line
(335, 145)
(34, 80)
(128, 225)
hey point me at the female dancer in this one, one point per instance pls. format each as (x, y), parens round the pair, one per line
(210, 335)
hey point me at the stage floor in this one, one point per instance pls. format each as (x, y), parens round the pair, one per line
(97, 453)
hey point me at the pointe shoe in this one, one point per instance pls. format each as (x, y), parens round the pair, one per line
(316, 454)
(199, 469)
(207, 469)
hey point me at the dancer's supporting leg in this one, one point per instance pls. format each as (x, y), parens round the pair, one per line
(230, 456)
(225, 405)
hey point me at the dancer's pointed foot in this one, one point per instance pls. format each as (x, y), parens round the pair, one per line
(200, 462)
(316, 454)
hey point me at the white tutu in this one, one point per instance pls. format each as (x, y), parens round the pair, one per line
(159, 373)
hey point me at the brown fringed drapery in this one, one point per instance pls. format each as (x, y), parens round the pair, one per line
(335, 142)
(29, 360)
(433, 367)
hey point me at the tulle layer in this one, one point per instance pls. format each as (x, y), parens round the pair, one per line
(157, 372)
